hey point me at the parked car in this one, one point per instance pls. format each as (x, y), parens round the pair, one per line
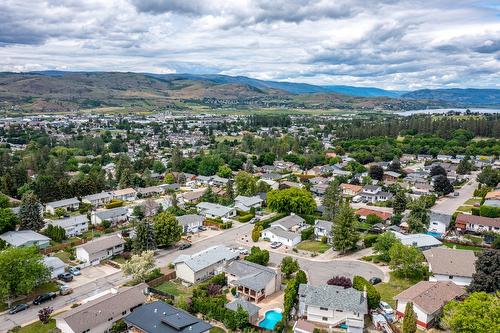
(243, 251)
(387, 311)
(202, 228)
(254, 220)
(275, 245)
(65, 290)
(18, 308)
(375, 280)
(66, 277)
(44, 298)
(74, 271)
(184, 246)
(456, 194)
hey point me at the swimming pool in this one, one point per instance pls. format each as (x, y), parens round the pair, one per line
(435, 234)
(271, 318)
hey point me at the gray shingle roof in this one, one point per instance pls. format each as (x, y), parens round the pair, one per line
(111, 213)
(160, 317)
(451, 262)
(289, 221)
(249, 307)
(251, 275)
(97, 196)
(327, 225)
(21, 237)
(70, 221)
(102, 244)
(333, 297)
(440, 217)
(190, 219)
(418, 240)
(283, 233)
(248, 201)
(63, 203)
(206, 258)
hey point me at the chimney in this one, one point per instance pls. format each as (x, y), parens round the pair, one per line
(364, 295)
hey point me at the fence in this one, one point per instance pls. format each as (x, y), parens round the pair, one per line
(160, 293)
(63, 246)
(167, 276)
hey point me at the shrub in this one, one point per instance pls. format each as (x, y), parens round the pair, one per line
(373, 296)
(324, 239)
(227, 225)
(340, 281)
(489, 211)
(154, 274)
(369, 240)
(114, 203)
(119, 326)
(307, 233)
(245, 218)
(475, 211)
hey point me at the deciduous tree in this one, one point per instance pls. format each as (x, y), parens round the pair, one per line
(406, 261)
(167, 230)
(291, 200)
(139, 265)
(289, 266)
(383, 245)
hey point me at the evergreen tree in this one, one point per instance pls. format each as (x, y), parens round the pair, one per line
(331, 201)
(464, 166)
(230, 192)
(410, 319)
(487, 275)
(144, 237)
(30, 216)
(399, 203)
(376, 172)
(442, 185)
(176, 160)
(344, 230)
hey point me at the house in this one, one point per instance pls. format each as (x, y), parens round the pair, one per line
(24, 238)
(303, 326)
(350, 190)
(428, 298)
(55, 265)
(190, 222)
(200, 266)
(98, 199)
(474, 223)
(218, 181)
(249, 307)
(114, 216)
(391, 176)
(319, 189)
(245, 203)
(98, 315)
(288, 184)
(291, 222)
(100, 249)
(364, 212)
(192, 197)
(439, 222)
(374, 193)
(322, 229)
(160, 317)
(333, 305)
(149, 191)
(66, 204)
(126, 194)
(253, 282)
(422, 241)
(213, 211)
(73, 226)
(274, 185)
(447, 264)
(285, 230)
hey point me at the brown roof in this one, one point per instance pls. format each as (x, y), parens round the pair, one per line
(431, 296)
(103, 243)
(365, 212)
(305, 326)
(450, 261)
(98, 311)
(124, 191)
(493, 195)
(194, 195)
(473, 219)
(352, 187)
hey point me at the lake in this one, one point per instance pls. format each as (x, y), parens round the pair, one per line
(442, 111)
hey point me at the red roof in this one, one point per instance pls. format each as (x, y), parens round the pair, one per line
(365, 212)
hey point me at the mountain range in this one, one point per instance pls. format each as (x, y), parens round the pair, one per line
(61, 90)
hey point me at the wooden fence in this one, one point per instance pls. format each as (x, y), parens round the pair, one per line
(63, 246)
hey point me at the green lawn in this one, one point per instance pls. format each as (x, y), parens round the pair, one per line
(463, 247)
(64, 256)
(392, 288)
(38, 327)
(313, 246)
(173, 288)
(472, 201)
(119, 260)
(464, 209)
(216, 329)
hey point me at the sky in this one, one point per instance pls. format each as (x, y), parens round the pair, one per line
(403, 45)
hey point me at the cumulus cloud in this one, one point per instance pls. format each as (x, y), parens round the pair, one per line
(394, 44)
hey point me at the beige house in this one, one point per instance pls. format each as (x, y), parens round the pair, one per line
(100, 249)
(451, 265)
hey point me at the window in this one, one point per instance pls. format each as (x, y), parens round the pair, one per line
(324, 319)
(110, 319)
(339, 310)
(324, 309)
(450, 277)
(124, 313)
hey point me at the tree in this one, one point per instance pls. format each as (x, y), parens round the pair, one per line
(373, 219)
(437, 170)
(464, 166)
(30, 216)
(399, 203)
(44, 314)
(289, 266)
(56, 233)
(331, 201)
(341, 281)
(478, 313)
(383, 245)
(169, 178)
(395, 165)
(442, 185)
(256, 231)
(8, 220)
(246, 184)
(144, 237)
(410, 319)
(372, 294)
(406, 261)
(487, 275)
(258, 256)
(345, 235)
(291, 200)
(176, 160)
(418, 220)
(224, 171)
(139, 265)
(21, 270)
(301, 277)
(167, 229)
(4, 201)
(209, 165)
(376, 172)
(489, 177)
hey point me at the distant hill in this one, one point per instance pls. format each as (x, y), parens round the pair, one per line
(459, 97)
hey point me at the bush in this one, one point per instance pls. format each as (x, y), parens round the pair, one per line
(245, 218)
(307, 233)
(227, 225)
(114, 203)
(324, 239)
(369, 240)
(475, 211)
(154, 274)
(118, 327)
(373, 219)
(373, 296)
(489, 211)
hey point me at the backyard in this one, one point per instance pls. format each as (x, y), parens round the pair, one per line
(313, 246)
(390, 289)
(175, 289)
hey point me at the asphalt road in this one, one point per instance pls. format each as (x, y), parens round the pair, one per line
(318, 273)
(449, 204)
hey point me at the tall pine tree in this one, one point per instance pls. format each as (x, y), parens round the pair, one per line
(410, 319)
(144, 237)
(30, 215)
(345, 235)
(331, 201)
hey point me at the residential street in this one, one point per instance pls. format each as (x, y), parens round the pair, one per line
(450, 204)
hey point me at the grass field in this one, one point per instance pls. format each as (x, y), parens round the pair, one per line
(313, 246)
(390, 289)
(175, 289)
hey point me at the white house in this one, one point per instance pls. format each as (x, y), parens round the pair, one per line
(213, 211)
(245, 203)
(66, 204)
(286, 230)
(98, 315)
(322, 229)
(422, 241)
(190, 222)
(126, 194)
(55, 265)
(200, 266)
(447, 264)
(73, 226)
(25, 238)
(374, 193)
(114, 215)
(428, 298)
(439, 222)
(333, 305)
(474, 223)
(100, 249)
(98, 199)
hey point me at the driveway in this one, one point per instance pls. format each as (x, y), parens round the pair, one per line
(90, 274)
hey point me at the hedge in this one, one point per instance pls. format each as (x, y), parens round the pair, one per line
(114, 204)
(489, 211)
(373, 296)
(245, 218)
(307, 233)
(266, 223)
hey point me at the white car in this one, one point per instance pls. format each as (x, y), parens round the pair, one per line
(387, 311)
(243, 251)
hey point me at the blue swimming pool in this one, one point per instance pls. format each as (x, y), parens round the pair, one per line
(435, 234)
(271, 318)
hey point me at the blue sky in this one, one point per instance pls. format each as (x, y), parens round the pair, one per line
(385, 43)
